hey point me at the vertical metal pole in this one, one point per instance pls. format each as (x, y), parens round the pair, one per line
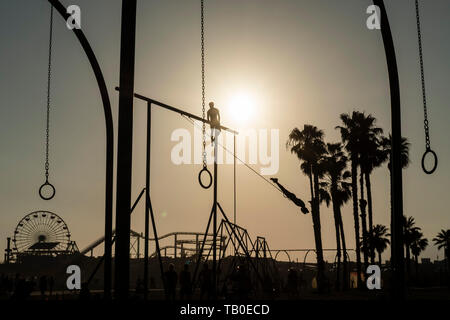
(196, 244)
(147, 196)
(397, 254)
(155, 234)
(234, 173)
(214, 273)
(124, 150)
(175, 245)
(138, 253)
(8, 249)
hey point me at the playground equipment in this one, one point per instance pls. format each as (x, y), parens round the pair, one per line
(109, 127)
(183, 244)
(428, 149)
(125, 149)
(47, 184)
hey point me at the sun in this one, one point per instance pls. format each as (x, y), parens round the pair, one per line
(241, 107)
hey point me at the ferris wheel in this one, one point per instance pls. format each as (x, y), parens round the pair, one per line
(41, 231)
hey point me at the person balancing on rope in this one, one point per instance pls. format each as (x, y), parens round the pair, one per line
(213, 116)
(291, 196)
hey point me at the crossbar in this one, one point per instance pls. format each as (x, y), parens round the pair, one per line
(182, 112)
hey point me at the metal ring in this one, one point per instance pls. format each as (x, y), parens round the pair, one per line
(205, 186)
(43, 197)
(435, 161)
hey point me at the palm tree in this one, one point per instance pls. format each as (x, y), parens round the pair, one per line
(418, 245)
(386, 145)
(309, 147)
(374, 157)
(338, 191)
(442, 240)
(369, 137)
(378, 240)
(409, 233)
(350, 135)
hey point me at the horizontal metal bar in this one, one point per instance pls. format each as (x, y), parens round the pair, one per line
(184, 113)
(302, 250)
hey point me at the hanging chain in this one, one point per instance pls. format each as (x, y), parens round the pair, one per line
(422, 75)
(203, 81)
(47, 131)
(424, 97)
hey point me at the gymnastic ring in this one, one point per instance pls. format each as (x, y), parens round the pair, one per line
(205, 186)
(43, 197)
(435, 161)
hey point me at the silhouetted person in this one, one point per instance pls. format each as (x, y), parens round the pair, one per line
(43, 285)
(235, 282)
(171, 282)
(20, 290)
(185, 283)
(213, 116)
(139, 285)
(292, 282)
(51, 284)
(244, 283)
(298, 202)
(85, 293)
(152, 283)
(205, 282)
(268, 287)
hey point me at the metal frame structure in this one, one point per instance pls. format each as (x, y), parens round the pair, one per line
(151, 102)
(241, 241)
(128, 32)
(109, 175)
(124, 157)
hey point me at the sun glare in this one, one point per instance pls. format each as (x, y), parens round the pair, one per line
(242, 107)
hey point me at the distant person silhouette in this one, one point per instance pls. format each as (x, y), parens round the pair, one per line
(185, 283)
(245, 284)
(85, 293)
(213, 116)
(205, 282)
(139, 285)
(292, 282)
(43, 285)
(51, 284)
(291, 196)
(171, 282)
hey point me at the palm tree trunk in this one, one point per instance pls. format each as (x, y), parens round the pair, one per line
(416, 258)
(408, 262)
(370, 209)
(362, 205)
(317, 234)
(379, 258)
(356, 218)
(345, 278)
(338, 241)
(447, 253)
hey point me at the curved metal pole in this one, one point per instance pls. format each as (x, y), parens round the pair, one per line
(306, 254)
(396, 178)
(109, 144)
(285, 251)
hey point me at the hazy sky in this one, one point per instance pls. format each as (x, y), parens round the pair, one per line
(300, 61)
